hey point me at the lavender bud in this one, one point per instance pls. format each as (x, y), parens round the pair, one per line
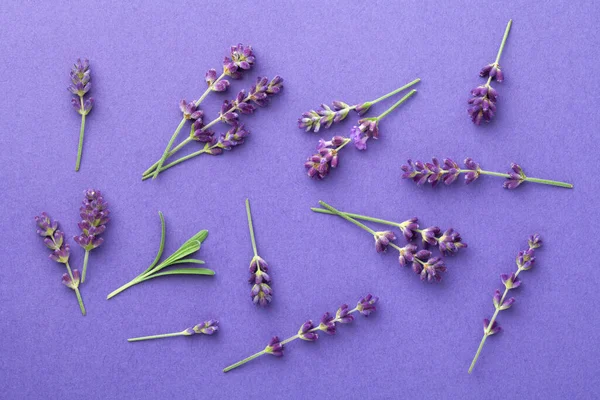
(366, 305)
(382, 240)
(407, 254)
(71, 283)
(490, 330)
(305, 334)
(327, 324)
(274, 347)
(207, 327)
(510, 281)
(343, 316)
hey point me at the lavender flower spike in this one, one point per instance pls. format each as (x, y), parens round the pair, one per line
(326, 158)
(448, 172)
(54, 239)
(309, 332)
(206, 328)
(325, 116)
(483, 103)
(80, 86)
(261, 292)
(525, 261)
(94, 217)
(423, 262)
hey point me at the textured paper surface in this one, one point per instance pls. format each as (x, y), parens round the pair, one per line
(146, 56)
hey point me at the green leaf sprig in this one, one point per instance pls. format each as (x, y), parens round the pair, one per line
(192, 245)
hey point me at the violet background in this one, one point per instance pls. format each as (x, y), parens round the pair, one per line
(146, 56)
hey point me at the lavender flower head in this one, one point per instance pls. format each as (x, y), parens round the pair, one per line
(190, 110)
(206, 328)
(261, 292)
(53, 238)
(80, 86)
(382, 240)
(95, 215)
(366, 305)
(274, 347)
(241, 59)
(326, 157)
(325, 116)
(367, 128)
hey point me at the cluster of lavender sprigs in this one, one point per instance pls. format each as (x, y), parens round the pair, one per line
(241, 59)
(94, 215)
(80, 86)
(525, 261)
(448, 172)
(309, 331)
(483, 103)
(327, 155)
(423, 262)
(54, 239)
(261, 292)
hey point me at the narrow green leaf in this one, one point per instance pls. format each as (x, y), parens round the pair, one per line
(162, 242)
(183, 271)
(188, 261)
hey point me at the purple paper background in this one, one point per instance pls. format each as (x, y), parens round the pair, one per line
(146, 56)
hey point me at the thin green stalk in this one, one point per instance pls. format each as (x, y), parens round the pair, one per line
(490, 173)
(251, 228)
(85, 264)
(394, 92)
(79, 299)
(346, 217)
(550, 182)
(80, 146)
(500, 50)
(164, 335)
(174, 163)
(244, 361)
(393, 107)
(357, 216)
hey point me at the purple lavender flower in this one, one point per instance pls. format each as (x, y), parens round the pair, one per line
(327, 157)
(382, 240)
(234, 137)
(200, 133)
(429, 235)
(448, 171)
(261, 292)
(274, 347)
(429, 270)
(54, 240)
(483, 103)
(409, 228)
(308, 331)
(407, 254)
(190, 110)
(95, 215)
(80, 86)
(241, 58)
(207, 327)
(525, 260)
(259, 95)
(450, 242)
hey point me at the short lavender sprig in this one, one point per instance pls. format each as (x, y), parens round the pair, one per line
(326, 158)
(80, 86)
(261, 292)
(325, 116)
(244, 103)
(483, 103)
(309, 332)
(423, 263)
(206, 328)
(525, 261)
(448, 172)
(94, 215)
(240, 58)
(54, 240)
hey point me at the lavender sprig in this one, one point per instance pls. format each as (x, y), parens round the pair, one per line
(94, 217)
(54, 240)
(423, 263)
(244, 103)
(261, 292)
(309, 332)
(241, 58)
(448, 172)
(327, 157)
(483, 103)
(192, 245)
(525, 261)
(80, 86)
(206, 328)
(327, 116)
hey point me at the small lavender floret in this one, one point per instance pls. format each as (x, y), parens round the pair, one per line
(327, 157)
(327, 324)
(407, 254)
(366, 305)
(305, 333)
(517, 176)
(382, 240)
(240, 58)
(274, 347)
(71, 283)
(207, 327)
(190, 110)
(495, 328)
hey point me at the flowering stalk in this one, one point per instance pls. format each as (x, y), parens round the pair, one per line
(178, 257)
(427, 267)
(80, 86)
(525, 261)
(95, 215)
(205, 328)
(448, 172)
(261, 292)
(327, 116)
(241, 59)
(327, 157)
(54, 240)
(483, 102)
(309, 332)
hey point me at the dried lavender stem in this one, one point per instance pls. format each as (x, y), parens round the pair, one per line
(251, 228)
(176, 133)
(393, 107)
(392, 92)
(81, 133)
(85, 263)
(79, 299)
(164, 335)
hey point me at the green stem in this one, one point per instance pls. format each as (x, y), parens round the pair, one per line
(179, 160)
(173, 151)
(244, 361)
(164, 335)
(251, 228)
(85, 263)
(394, 92)
(347, 218)
(550, 182)
(166, 152)
(77, 293)
(402, 100)
(478, 352)
(125, 286)
(80, 146)
(357, 216)
(482, 172)
(503, 41)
